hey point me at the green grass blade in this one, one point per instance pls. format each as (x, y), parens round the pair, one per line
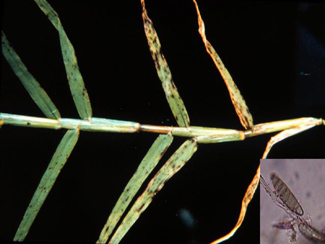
(148, 163)
(77, 86)
(174, 99)
(171, 167)
(34, 89)
(58, 160)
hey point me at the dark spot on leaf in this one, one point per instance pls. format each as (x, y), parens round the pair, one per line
(139, 210)
(127, 198)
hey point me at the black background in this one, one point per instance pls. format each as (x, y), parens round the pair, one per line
(274, 51)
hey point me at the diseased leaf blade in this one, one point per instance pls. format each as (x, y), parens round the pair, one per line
(175, 101)
(168, 170)
(77, 86)
(146, 166)
(54, 168)
(251, 189)
(34, 89)
(237, 99)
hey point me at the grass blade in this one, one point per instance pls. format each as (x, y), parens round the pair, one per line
(237, 99)
(34, 89)
(170, 168)
(58, 160)
(148, 163)
(77, 86)
(285, 134)
(244, 204)
(174, 99)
